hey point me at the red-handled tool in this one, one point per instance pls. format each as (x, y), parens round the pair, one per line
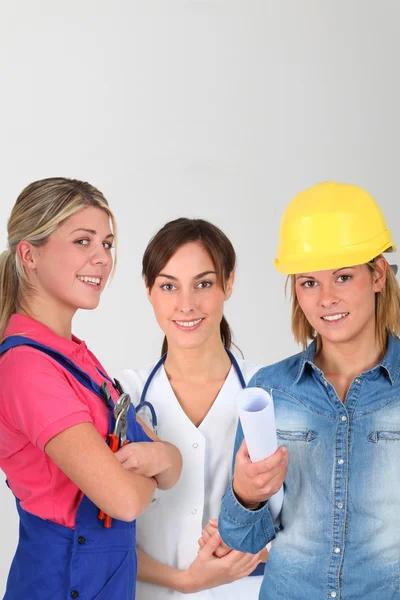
(117, 438)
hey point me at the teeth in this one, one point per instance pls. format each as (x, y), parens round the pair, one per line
(335, 317)
(188, 323)
(91, 280)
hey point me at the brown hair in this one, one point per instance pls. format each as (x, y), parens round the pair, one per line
(387, 311)
(39, 209)
(183, 231)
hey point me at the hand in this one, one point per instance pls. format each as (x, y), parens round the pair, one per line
(208, 571)
(222, 549)
(145, 458)
(254, 483)
(207, 533)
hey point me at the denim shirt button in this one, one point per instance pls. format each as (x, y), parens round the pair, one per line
(339, 504)
(336, 550)
(357, 380)
(344, 418)
(340, 461)
(333, 594)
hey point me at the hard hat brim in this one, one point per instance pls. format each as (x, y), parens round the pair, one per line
(344, 257)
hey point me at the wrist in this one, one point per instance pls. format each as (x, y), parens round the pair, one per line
(249, 504)
(184, 583)
(163, 458)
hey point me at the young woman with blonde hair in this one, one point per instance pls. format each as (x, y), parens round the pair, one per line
(57, 405)
(337, 408)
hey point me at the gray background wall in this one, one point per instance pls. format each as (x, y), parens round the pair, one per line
(221, 109)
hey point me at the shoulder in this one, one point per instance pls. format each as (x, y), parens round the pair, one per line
(29, 362)
(248, 368)
(134, 380)
(280, 373)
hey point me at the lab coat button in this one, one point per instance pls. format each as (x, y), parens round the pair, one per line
(81, 540)
(195, 445)
(74, 594)
(194, 511)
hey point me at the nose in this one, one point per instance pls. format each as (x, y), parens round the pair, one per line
(186, 301)
(328, 296)
(100, 256)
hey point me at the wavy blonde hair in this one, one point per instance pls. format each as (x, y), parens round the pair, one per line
(39, 209)
(387, 311)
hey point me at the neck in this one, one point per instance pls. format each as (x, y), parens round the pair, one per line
(209, 361)
(56, 318)
(349, 359)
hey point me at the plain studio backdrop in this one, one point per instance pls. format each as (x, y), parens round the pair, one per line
(221, 109)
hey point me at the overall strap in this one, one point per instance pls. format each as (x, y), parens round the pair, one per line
(84, 378)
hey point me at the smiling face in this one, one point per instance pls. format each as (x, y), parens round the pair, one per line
(187, 298)
(69, 271)
(340, 303)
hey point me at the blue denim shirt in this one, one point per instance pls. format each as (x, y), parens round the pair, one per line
(340, 522)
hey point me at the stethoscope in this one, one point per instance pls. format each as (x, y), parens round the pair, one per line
(143, 403)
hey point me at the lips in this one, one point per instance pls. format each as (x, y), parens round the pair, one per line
(90, 280)
(335, 318)
(188, 325)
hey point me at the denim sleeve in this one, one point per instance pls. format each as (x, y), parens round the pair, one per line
(242, 529)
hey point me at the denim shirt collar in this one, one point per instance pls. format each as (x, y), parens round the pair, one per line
(390, 362)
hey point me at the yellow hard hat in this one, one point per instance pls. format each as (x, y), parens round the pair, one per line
(330, 226)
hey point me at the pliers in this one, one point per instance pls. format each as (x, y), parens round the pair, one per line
(117, 438)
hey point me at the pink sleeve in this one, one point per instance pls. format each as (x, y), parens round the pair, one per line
(37, 398)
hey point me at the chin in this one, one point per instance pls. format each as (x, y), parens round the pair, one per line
(340, 337)
(89, 305)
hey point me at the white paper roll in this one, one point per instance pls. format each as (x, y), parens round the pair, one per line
(257, 416)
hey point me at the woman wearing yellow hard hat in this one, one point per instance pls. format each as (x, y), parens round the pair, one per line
(337, 407)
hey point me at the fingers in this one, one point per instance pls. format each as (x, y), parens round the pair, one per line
(242, 564)
(257, 482)
(210, 546)
(276, 461)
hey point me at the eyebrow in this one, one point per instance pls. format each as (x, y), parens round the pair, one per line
(199, 276)
(92, 232)
(313, 278)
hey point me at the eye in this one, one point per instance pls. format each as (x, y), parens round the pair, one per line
(309, 284)
(108, 245)
(344, 278)
(168, 287)
(203, 285)
(83, 242)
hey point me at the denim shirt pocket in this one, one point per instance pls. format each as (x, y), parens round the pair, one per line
(384, 436)
(298, 435)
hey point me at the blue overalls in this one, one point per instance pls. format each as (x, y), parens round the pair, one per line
(53, 562)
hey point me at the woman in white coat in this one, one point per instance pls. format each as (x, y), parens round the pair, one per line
(189, 395)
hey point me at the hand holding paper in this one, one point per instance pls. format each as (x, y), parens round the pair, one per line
(256, 412)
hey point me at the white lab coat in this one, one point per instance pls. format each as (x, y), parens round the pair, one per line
(170, 528)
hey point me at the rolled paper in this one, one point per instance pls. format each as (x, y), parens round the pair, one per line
(257, 416)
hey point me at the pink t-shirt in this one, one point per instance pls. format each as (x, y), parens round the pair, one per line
(38, 400)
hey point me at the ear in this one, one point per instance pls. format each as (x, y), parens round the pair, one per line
(148, 293)
(229, 285)
(379, 274)
(26, 255)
